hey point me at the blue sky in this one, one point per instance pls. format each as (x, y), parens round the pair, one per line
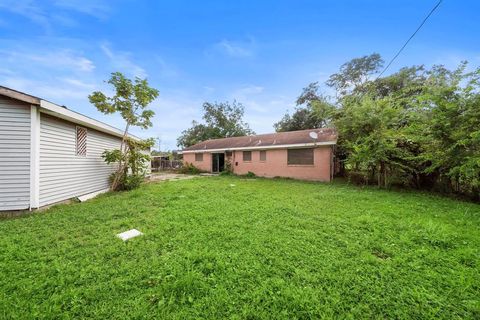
(261, 53)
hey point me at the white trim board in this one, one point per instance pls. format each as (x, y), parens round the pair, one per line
(34, 157)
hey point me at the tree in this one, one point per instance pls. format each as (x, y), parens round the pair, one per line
(416, 127)
(353, 75)
(131, 100)
(313, 111)
(222, 120)
(451, 131)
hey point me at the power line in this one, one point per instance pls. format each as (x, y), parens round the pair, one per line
(411, 37)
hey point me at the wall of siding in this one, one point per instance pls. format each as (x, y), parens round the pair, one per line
(63, 174)
(14, 155)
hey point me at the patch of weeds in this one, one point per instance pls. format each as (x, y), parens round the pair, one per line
(250, 174)
(381, 254)
(189, 168)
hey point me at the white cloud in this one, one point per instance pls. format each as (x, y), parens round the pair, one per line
(122, 61)
(96, 8)
(28, 9)
(78, 83)
(46, 13)
(248, 90)
(58, 90)
(54, 58)
(165, 69)
(236, 49)
(174, 112)
(248, 96)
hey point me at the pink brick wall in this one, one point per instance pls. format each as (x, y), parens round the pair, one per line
(205, 165)
(276, 165)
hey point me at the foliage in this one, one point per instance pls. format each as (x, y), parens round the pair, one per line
(313, 111)
(418, 127)
(222, 120)
(130, 100)
(266, 249)
(136, 161)
(452, 127)
(128, 182)
(353, 75)
(189, 168)
(250, 174)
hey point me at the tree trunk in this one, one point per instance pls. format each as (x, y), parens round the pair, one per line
(121, 166)
(382, 175)
(385, 176)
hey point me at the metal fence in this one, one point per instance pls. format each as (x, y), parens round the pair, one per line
(162, 165)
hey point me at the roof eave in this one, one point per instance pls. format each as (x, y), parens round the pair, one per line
(17, 95)
(280, 146)
(78, 118)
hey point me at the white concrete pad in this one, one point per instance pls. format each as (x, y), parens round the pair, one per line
(127, 235)
(92, 195)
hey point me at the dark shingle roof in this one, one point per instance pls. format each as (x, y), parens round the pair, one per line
(324, 136)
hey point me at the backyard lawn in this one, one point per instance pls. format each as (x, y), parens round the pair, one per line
(228, 247)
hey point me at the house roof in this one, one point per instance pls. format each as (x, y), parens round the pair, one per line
(62, 112)
(291, 139)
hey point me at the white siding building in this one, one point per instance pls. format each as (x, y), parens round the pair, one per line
(49, 153)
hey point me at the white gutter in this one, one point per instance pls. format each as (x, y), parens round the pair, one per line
(78, 118)
(279, 146)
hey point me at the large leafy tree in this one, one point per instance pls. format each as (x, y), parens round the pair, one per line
(130, 100)
(313, 111)
(416, 127)
(450, 131)
(355, 74)
(222, 120)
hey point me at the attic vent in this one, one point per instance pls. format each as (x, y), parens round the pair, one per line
(313, 135)
(81, 145)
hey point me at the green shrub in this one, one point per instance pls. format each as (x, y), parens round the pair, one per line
(128, 181)
(189, 168)
(250, 174)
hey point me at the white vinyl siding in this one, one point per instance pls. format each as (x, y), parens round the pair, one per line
(63, 174)
(14, 155)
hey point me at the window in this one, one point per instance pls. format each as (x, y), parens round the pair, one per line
(263, 155)
(300, 156)
(81, 142)
(247, 155)
(198, 156)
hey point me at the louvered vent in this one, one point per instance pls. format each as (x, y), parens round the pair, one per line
(81, 142)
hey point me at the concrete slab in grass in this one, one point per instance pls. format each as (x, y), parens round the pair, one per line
(127, 235)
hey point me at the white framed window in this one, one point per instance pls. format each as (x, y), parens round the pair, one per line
(81, 142)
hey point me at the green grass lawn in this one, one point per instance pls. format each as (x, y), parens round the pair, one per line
(260, 249)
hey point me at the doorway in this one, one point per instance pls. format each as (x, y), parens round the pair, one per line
(218, 162)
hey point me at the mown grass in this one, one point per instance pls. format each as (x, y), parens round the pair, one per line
(277, 249)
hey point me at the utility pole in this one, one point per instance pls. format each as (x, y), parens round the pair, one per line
(159, 140)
